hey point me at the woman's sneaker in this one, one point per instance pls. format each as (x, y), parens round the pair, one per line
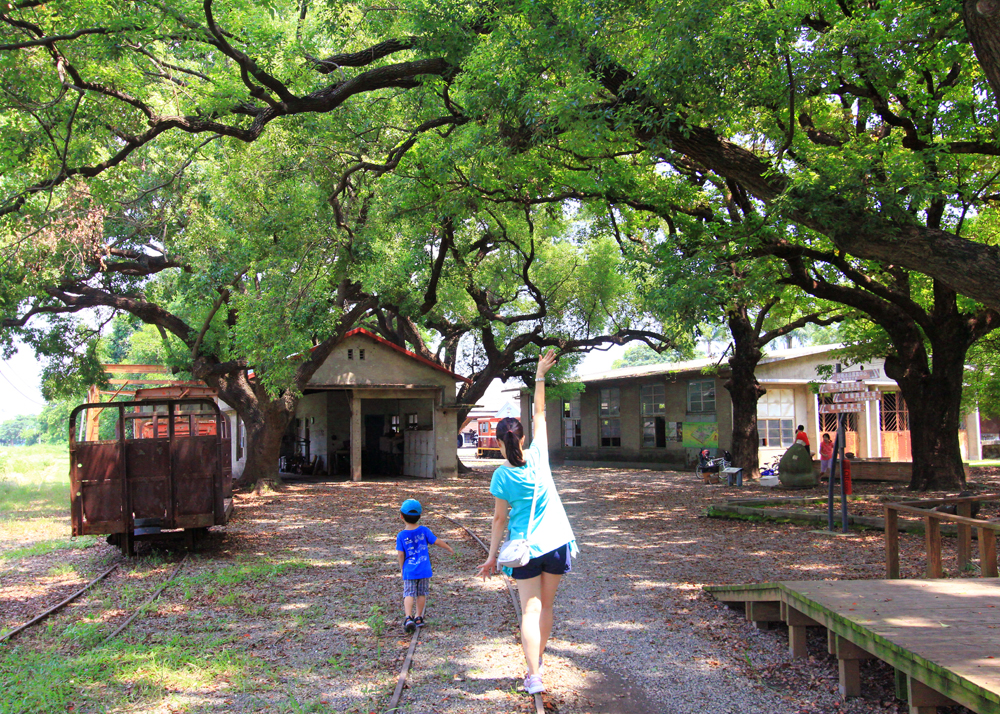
(409, 625)
(533, 684)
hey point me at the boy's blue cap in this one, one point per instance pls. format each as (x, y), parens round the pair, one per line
(411, 507)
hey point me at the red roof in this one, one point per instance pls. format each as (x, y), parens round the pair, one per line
(401, 350)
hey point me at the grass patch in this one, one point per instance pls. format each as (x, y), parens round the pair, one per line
(106, 677)
(209, 584)
(34, 481)
(44, 547)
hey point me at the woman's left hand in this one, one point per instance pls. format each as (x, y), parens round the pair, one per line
(487, 568)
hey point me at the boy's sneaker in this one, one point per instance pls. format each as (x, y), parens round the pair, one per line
(418, 621)
(533, 683)
(409, 625)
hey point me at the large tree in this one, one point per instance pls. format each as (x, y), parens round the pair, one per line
(236, 271)
(740, 90)
(929, 330)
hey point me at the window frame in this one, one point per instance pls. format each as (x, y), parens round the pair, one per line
(569, 408)
(764, 429)
(610, 423)
(653, 416)
(899, 414)
(701, 396)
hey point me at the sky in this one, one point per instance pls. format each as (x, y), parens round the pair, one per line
(20, 391)
(19, 385)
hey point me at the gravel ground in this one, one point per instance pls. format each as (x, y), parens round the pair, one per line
(301, 591)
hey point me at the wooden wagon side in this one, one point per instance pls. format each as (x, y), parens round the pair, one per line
(167, 470)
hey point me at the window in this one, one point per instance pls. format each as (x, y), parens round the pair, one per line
(571, 422)
(776, 418)
(654, 420)
(895, 416)
(701, 396)
(653, 399)
(361, 354)
(394, 422)
(611, 423)
(239, 438)
(350, 354)
(411, 422)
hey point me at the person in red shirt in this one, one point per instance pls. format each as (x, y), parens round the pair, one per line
(800, 435)
(825, 456)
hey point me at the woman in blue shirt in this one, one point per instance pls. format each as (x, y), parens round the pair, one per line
(514, 485)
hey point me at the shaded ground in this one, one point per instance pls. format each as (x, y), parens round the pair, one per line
(295, 607)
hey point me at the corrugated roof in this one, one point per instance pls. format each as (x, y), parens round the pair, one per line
(697, 365)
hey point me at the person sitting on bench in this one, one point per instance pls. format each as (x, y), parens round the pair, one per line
(708, 466)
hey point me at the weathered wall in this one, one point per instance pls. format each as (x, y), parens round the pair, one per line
(630, 400)
(446, 439)
(312, 410)
(238, 464)
(804, 367)
(381, 366)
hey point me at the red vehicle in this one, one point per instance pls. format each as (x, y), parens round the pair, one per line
(167, 471)
(487, 447)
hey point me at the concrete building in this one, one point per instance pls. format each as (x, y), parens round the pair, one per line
(666, 413)
(372, 408)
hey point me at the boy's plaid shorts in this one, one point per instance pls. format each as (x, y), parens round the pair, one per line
(416, 588)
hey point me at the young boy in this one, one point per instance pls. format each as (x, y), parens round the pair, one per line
(415, 562)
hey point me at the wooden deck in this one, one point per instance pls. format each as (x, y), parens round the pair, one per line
(942, 636)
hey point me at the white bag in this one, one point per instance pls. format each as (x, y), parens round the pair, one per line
(514, 553)
(517, 552)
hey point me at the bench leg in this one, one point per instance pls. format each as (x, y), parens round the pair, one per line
(850, 677)
(797, 641)
(924, 700)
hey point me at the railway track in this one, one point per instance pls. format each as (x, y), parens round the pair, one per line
(408, 661)
(41, 617)
(539, 706)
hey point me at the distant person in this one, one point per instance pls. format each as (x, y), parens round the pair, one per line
(848, 489)
(825, 456)
(800, 435)
(415, 562)
(708, 466)
(525, 480)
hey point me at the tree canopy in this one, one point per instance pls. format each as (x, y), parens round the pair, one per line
(253, 179)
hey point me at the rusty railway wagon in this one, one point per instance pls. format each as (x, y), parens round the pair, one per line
(166, 473)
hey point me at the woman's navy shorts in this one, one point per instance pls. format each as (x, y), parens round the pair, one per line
(556, 562)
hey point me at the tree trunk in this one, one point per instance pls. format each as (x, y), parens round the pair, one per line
(265, 420)
(933, 400)
(745, 390)
(982, 22)
(263, 449)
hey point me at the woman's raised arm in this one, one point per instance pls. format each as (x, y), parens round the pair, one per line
(544, 365)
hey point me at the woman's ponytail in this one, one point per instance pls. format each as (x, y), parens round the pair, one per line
(510, 432)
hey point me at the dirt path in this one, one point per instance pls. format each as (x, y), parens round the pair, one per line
(295, 607)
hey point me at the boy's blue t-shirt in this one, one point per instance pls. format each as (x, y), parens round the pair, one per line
(414, 544)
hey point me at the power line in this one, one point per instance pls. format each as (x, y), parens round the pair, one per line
(19, 391)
